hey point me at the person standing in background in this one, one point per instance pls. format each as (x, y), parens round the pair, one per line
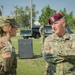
(42, 34)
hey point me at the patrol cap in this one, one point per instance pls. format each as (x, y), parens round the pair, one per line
(10, 21)
(54, 18)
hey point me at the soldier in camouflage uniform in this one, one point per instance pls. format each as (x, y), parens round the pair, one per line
(59, 48)
(8, 60)
(42, 34)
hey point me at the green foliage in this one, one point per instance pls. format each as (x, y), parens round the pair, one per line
(69, 17)
(23, 15)
(46, 12)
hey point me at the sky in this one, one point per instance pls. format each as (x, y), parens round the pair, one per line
(8, 5)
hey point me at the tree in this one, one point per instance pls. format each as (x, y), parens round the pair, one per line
(23, 15)
(46, 12)
(69, 17)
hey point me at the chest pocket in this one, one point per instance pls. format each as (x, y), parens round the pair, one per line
(58, 46)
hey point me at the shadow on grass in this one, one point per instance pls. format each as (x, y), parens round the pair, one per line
(37, 56)
(33, 57)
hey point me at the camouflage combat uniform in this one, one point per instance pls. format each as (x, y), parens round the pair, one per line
(8, 60)
(59, 53)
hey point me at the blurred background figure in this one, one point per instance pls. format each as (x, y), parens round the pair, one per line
(42, 34)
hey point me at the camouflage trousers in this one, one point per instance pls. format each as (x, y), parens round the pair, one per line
(42, 43)
(42, 39)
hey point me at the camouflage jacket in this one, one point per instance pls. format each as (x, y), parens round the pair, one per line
(8, 60)
(59, 52)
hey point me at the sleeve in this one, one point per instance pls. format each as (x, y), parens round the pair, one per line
(49, 55)
(14, 63)
(6, 56)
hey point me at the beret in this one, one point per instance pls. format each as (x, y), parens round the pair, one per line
(54, 18)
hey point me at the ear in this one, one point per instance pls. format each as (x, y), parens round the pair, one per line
(9, 29)
(64, 23)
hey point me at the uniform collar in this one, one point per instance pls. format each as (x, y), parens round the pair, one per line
(65, 37)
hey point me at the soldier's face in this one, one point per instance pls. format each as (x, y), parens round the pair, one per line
(13, 31)
(58, 27)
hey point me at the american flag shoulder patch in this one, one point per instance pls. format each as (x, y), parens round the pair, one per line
(6, 54)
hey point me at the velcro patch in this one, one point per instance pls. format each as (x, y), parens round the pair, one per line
(6, 54)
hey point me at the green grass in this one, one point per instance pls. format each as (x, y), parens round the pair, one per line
(32, 66)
